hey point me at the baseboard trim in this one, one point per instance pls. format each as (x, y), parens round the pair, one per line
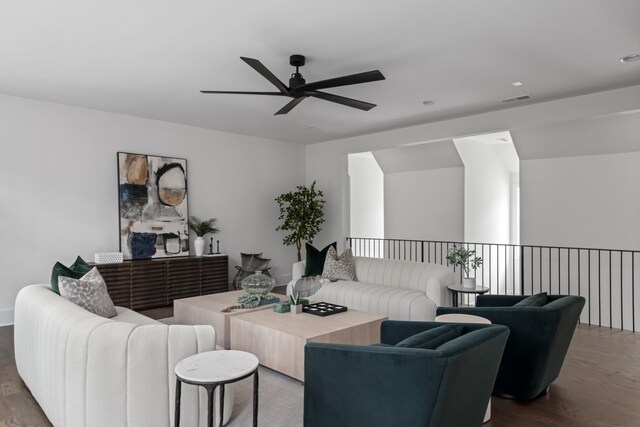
(6, 316)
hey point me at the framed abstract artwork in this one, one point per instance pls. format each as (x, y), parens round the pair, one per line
(153, 212)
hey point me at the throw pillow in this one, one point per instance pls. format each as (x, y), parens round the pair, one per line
(339, 267)
(89, 292)
(315, 259)
(537, 300)
(433, 338)
(78, 269)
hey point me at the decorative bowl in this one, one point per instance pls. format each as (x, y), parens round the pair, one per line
(258, 283)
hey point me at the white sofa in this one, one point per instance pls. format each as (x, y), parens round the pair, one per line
(401, 290)
(85, 370)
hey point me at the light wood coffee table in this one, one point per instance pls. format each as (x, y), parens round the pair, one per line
(278, 339)
(207, 310)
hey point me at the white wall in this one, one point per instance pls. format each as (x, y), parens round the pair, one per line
(327, 162)
(487, 193)
(426, 205)
(586, 201)
(58, 196)
(366, 190)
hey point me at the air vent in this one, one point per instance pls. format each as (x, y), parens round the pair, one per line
(517, 98)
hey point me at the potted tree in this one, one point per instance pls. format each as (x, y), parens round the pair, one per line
(467, 260)
(201, 228)
(301, 213)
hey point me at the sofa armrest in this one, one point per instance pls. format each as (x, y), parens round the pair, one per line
(351, 385)
(297, 270)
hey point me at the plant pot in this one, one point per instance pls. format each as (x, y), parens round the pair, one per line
(469, 282)
(198, 245)
(296, 309)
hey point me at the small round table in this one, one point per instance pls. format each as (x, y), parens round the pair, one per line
(217, 368)
(456, 289)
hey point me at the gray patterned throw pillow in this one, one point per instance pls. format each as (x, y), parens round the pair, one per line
(340, 267)
(89, 292)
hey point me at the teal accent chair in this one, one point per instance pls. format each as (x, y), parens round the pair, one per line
(382, 385)
(538, 342)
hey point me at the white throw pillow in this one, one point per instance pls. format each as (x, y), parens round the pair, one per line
(340, 267)
(89, 292)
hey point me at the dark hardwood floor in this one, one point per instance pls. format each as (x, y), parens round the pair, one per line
(599, 386)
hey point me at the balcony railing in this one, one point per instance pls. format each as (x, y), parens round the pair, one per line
(606, 278)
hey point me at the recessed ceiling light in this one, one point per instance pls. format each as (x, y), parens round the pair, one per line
(517, 83)
(630, 58)
(428, 103)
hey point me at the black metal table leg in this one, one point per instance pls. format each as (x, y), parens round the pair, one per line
(255, 399)
(210, 389)
(221, 404)
(177, 408)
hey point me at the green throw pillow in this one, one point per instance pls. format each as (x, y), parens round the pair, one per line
(315, 259)
(433, 338)
(78, 269)
(537, 300)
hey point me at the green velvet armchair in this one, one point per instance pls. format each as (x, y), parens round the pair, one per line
(538, 342)
(383, 385)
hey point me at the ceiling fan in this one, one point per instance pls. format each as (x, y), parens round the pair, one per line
(299, 89)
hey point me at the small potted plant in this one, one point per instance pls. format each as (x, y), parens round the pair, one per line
(296, 303)
(467, 260)
(201, 228)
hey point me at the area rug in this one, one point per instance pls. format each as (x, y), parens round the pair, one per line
(280, 401)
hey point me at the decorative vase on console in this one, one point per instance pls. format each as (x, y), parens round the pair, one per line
(467, 260)
(201, 228)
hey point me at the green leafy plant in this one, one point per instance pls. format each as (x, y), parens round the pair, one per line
(294, 299)
(464, 258)
(201, 227)
(302, 213)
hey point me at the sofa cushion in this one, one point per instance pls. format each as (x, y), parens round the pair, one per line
(432, 338)
(395, 303)
(537, 300)
(89, 292)
(76, 270)
(339, 267)
(315, 259)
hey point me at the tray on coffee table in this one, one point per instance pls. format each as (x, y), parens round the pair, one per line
(323, 309)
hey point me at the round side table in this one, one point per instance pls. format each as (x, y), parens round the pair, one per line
(459, 289)
(217, 368)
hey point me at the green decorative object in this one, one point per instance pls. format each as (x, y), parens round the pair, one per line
(282, 307)
(255, 300)
(461, 257)
(201, 227)
(302, 213)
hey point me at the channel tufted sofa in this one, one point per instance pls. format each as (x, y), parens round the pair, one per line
(400, 290)
(85, 370)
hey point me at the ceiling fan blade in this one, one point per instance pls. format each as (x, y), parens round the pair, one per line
(290, 106)
(244, 93)
(360, 105)
(353, 79)
(264, 71)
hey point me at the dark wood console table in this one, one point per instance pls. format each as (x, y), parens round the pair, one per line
(144, 284)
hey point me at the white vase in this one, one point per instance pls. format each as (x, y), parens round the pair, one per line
(469, 282)
(198, 245)
(296, 309)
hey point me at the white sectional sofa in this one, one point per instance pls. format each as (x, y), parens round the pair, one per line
(401, 290)
(85, 370)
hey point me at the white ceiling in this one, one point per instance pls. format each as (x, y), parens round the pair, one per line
(150, 58)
